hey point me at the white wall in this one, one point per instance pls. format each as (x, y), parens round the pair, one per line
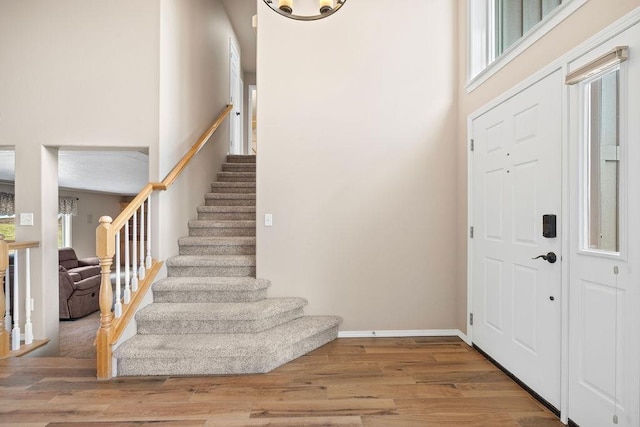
(194, 89)
(357, 120)
(73, 73)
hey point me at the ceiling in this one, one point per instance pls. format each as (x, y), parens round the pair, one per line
(113, 172)
(240, 13)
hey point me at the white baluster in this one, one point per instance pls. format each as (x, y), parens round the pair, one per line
(148, 259)
(127, 283)
(141, 271)
(7, 304)
(117, 308)
(28, 303)
(134, 265)
(15, 332)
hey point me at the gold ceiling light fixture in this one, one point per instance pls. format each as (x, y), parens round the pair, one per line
(305, 10)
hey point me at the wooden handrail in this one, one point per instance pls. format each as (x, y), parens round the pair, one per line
(177, 170)
(131, 208)
(111, 329)
(22, 245)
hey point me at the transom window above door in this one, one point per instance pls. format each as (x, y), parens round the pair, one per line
(499, 30)
(515, 18)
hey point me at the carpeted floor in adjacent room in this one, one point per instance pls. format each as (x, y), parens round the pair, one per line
(77, 336)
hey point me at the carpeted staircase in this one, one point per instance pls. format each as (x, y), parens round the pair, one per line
(211, 315)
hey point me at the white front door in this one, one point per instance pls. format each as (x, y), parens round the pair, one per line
(604, 325)
(235, 123)
(516, 302)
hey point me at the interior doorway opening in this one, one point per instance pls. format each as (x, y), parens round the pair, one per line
(253, 117)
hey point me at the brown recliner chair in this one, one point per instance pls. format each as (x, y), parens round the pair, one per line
(79, 284)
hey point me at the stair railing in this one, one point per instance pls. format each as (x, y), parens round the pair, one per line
(16, 335)
(133, 227)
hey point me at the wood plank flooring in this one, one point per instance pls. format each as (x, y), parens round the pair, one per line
(348, 382)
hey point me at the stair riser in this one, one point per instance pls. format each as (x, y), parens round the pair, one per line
(241, 159)
(203, 365)
(236, 190)
(236, 178)
(217, 250)
(228, 216)
(222, 232)
(209, 296)
(179, 326)
(238, 167)
(241, 271)
(229, 202)
(192, 366)
(303, 347)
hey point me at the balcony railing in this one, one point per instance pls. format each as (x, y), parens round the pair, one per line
(16, 301)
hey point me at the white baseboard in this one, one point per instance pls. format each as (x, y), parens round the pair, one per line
(404, 333)
(464, 338)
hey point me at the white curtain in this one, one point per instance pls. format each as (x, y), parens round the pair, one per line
(7, 204)
(67, 205)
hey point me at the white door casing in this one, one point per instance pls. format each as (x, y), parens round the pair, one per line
(604, 334)
(516, 300)
(235, 98)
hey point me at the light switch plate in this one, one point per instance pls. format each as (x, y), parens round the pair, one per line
(26, 219)
(268, 220)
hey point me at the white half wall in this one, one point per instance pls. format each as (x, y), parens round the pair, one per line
(357, 120)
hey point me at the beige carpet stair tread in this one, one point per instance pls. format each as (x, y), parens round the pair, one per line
(188, 284)
(212, 223)
(224, 345)
(218, 318)
(209, 289)
(219, 184)
(222, 311)
(226, 209)
(241, 158)
(215, 240)
(211, 261)
(243, 167)
(230, 196)
(236, 177)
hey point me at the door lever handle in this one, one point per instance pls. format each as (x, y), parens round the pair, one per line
(549, 257)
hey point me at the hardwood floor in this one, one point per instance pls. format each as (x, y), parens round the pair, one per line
(349, 382)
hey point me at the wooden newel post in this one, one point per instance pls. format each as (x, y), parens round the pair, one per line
(105, 249)
(5, 346)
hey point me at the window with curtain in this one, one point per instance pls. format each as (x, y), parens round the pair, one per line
(67, 207)
(7, 216)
